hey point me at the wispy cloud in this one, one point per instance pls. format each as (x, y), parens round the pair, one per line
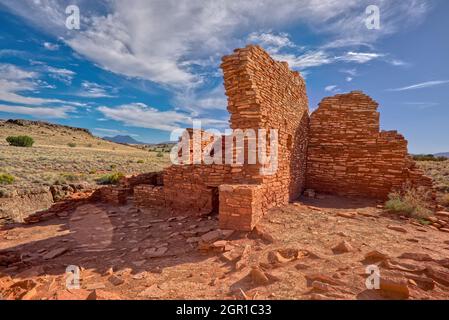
(14, 81)
(332, 88)
(39, 112)
(307, 60)
(272, 42)
(139, 41)
(421, 85)
(64, 75)
(360, 57)
(51, 46)
(95, 90)
(422, 105)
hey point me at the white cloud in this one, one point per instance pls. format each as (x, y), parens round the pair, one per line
(200, 102)
(143, 116)
(272, 42)
(360, 57)
(51, 46)
(15, 80)
(39, 112)
(178, 43)
(321, 57)
(95, 90)
(349, 79)
(332, 88)
(422, 85)
(351, 72)
(422, 105)
(156, 40)
(307, 60)
(64, 75)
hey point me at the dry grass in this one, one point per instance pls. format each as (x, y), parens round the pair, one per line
(54, 160)
(439, 171)
(412, 202)
(44, 166)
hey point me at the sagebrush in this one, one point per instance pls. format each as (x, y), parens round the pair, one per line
(20, 141)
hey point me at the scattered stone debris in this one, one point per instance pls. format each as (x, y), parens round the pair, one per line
(343, 247)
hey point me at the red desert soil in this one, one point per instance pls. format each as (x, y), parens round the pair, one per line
(311, 249)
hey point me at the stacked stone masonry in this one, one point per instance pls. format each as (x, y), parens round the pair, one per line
(340, 151)
(347, 155)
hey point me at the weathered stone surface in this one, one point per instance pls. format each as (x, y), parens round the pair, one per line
(374, 256)
(397, 228)
(394, 287)
(343, 247)
(416, 256)
(348, 155)
(115, 280)
(55, 253)
(258, 276)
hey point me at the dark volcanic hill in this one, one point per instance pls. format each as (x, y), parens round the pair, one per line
(123, 140)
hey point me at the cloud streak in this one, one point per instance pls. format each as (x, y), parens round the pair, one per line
(421, 85)
(39, 112)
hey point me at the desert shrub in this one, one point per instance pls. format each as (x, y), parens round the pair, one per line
(160, 154)
(71, 144)
(411, 202)
(89, 145)
(66, 178)
(428, 157)
(6, 178)
(140, 161)
(113, 166)
(112, 178)
(20, 141)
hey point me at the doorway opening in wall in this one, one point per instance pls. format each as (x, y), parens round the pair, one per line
(215, 201)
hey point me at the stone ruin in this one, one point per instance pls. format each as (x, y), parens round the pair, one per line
(338, 149)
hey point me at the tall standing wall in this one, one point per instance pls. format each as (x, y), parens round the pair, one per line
(348, 155)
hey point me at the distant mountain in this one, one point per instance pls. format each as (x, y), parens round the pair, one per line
(123, 140)
(442, 154)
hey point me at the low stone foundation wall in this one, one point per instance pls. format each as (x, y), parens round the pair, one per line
(112, 194)
(149, 196)
(241, 206)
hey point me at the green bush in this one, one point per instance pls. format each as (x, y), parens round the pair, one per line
(159, 154)
(6, 178)
(140, 161)
(410, 202)
(20, 141)
(112, 178)
(71, 144)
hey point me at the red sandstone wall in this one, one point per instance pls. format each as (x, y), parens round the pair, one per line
(347, 154)
(264, 93)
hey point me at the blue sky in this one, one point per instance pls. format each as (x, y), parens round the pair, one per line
(143, 68)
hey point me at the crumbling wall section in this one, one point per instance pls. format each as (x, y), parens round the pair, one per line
(348, 155)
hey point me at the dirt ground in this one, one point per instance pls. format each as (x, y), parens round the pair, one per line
(311, 249)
